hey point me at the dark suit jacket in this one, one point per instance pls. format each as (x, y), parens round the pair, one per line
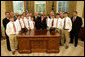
(5, 22)
(76, 25)
(34, 18)
(15, 18)
(37, 22)
(45, 17)
(44, 24)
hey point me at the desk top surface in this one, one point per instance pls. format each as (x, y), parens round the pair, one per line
(38, 33)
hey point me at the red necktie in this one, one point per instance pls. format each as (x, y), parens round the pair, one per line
(52, 23)
(24, 23)
(73, 19)
(14, 27)
(20, 24)
(29, 24)
(36, 18)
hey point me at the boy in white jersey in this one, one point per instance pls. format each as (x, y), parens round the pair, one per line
(29, 16)
(48, 22)
(62, 40)
(18, 23)
(58, 23)
(53, 22)
(24, 22)
(11, 32)
(32, 24)
(67, 26)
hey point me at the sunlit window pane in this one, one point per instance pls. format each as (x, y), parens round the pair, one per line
(18, 6)
(63, 6)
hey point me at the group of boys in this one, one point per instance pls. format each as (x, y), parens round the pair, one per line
(14, 23)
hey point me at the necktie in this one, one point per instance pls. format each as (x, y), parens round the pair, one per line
(29, 24)
(14, 27)
(24, 23)
(36, 18)
(57, 22)
(20, 24)
(73, 19)
(52, 23)
(64, 23)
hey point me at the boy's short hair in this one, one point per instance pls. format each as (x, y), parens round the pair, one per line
(75, 12)
(65, 12)
(7, 12)
(21, 14)
(18, 15)
(57, 14)
(41, 15)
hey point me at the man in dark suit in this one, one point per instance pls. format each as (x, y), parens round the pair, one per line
(35, 16)
(76, 25)
(5, 22)
(43, 22)
(39, 14)
(37, 21)
(44, 15)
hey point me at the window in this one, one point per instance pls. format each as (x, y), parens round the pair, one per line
(63, 6)
(18, 6)
(40, 6)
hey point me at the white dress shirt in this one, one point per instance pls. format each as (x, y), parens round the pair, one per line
(18, 24)
(68, 23)
(48, 22)
(32, 24)
(58, 23)
(26, 23)
(54, 23)
(29, 18)
(62, 23)
(10, 28)
(24, 17)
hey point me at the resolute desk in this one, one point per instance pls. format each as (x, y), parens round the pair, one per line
(38, 41)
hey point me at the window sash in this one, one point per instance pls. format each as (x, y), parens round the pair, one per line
(63, 5)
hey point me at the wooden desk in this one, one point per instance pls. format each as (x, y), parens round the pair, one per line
(38, 41)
